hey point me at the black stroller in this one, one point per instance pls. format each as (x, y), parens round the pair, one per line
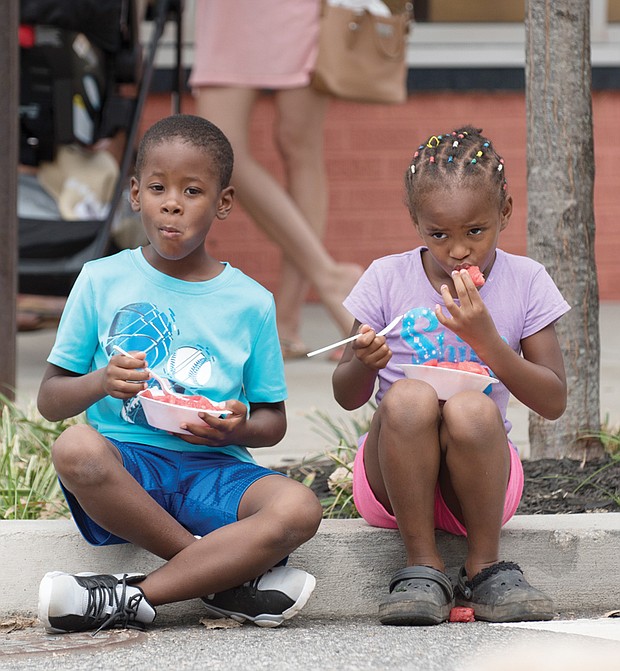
(75, 57)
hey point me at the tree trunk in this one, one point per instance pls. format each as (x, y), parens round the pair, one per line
(560, 229)
(9, 73)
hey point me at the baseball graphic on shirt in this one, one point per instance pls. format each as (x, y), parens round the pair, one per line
(190, 366)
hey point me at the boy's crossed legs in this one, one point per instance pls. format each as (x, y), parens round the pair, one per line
(271, 517)
(426, 467)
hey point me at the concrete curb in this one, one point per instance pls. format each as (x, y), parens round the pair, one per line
(574, 558)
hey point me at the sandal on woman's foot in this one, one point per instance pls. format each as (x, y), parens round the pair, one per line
(29, 321)
(419, 595)
(336, 354)
(500, 593)
(292, 349)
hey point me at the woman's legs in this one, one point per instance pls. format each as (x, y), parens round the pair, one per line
(271, 206)
(299, 138)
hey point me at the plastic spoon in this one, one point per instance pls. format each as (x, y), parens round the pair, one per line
(163, 383)
(382, 332)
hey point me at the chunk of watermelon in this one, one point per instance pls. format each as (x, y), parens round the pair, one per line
(473, 367)
(199, 402)
(476, 275)
(467, 366)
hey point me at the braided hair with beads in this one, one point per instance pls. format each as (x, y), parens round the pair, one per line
(455, 158)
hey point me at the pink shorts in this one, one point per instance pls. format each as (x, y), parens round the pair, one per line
(377, 516)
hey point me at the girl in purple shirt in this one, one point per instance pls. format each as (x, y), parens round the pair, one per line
(426, 463)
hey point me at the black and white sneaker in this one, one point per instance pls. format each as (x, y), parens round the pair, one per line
(89, 601)
(267, 600)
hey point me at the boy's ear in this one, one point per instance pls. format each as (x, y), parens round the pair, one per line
(506, 213)
(225, 204)
(134, 194)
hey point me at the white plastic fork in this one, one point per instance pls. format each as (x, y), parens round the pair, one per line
(163, 383)
(382, 332)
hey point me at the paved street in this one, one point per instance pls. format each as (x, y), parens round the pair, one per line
(325, 645)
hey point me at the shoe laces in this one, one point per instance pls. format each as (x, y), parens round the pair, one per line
(109, 606)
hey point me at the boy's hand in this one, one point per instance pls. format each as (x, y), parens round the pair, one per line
(125, 376)
(371, 349)
(216, 431)
(470, 320)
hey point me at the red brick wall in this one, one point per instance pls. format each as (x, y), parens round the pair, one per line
(367, 150)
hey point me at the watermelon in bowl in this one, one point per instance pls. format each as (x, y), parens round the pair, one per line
(448, 378)
(167, 412)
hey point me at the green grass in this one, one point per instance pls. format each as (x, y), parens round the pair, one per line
(29, 488)
(342, 435)
(610, 439)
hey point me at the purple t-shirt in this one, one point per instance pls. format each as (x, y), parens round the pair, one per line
(519, 294)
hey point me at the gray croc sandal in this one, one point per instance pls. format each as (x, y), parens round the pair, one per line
(419, 595)
(500, 593)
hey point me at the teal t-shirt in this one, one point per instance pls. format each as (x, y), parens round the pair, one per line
(216, 338)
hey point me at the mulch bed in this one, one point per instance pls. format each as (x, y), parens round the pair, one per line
(552, 486)
(568, 486)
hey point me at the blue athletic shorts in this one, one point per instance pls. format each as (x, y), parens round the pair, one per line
(202, 490)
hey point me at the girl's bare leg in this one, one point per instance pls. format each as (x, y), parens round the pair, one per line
(276, 516)
(299, 138)
(402, 459)
(272, 208)
(475, 476)
(464, 448)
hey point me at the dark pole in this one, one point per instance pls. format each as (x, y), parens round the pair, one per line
(9, 74)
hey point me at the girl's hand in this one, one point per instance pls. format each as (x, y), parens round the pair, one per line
(371, 349)
(218, 431)
(469, 319)
(125, 376)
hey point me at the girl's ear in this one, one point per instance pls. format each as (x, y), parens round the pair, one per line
(134, 194)
(506, 213)
(417, 227)
(225, 204)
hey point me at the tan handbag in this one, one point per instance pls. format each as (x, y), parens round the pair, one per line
(362, 57)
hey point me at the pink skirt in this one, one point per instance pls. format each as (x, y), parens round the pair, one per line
(377, 516)
(262, 44)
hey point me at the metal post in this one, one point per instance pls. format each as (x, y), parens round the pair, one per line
(9, 76)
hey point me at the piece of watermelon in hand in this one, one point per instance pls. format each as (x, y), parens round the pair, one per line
(476, 275)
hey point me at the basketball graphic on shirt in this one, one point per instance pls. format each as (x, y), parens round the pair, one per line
(190, 366)
(145, 328)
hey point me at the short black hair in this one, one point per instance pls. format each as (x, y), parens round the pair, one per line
(196, 131)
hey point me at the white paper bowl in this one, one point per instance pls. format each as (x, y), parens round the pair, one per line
(169, 417)
(447, 381)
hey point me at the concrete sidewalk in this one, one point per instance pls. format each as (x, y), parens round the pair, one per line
(574, 558)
